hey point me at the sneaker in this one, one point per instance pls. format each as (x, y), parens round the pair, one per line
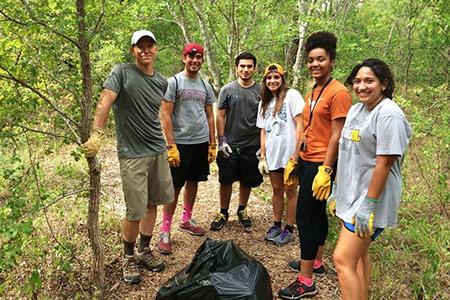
(294, 265)
(297, 290)
(272, 233)
(244, 219)
(192, 228)
(130, 271)
(164, 246)
(149, 261)
(283, 238)
(219, 222)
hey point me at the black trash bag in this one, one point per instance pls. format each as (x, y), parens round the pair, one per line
(220, 270)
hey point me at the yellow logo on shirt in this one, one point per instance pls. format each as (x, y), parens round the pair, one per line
(355, 135)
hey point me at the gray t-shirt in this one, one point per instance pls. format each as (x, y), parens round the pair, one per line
(136, 110)
(189, 117)
(242, 108)
(382, 131)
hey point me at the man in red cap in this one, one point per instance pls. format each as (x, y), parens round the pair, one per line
(188, 125)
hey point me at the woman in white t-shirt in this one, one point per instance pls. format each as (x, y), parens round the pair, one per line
(279, 117)
(368, 180)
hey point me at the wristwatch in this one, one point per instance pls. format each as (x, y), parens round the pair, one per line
(328, 170)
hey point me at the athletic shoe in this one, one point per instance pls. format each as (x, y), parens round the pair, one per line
(192, 228)
(272, 233)
(244, 219)
(130, 271)
(219, 221)
(297, 290)
(149, 261)
(294, 265)
(283, 238)
(164, 246)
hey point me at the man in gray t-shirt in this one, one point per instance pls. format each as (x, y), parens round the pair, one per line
(135, 92)
(188, 122)
(239, 140)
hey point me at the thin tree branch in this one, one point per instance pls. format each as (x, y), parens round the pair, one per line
(44, 25)
(49, 133)
(99, 20)
(8, 18)
(37, 92)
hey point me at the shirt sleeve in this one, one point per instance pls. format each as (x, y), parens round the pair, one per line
(296, 102)
(392, 133)
(340, 104)
(210, 97)
(223, 99)
(170, 94)
(114, 80)
(260, 119)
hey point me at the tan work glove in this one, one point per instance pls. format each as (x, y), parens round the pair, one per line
(173, 155)
(322, 183)
(332, 201)
(288, 177)
(212, 152)
(94, 143)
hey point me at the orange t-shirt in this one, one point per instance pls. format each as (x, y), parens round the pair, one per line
(334, 103)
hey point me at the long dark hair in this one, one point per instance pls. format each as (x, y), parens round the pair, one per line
(266, 94)
(381, 71)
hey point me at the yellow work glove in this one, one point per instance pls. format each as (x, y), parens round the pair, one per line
(93, 144)
(289, 178)
(322, 183)
(173, 155)
(332, 201)
(212, 152)
(364, 216)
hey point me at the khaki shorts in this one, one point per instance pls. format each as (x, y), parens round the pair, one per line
(146, 181)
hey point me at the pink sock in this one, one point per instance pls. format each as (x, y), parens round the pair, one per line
(317, 263)
(166, 222)
(187, 213)
(306, 280)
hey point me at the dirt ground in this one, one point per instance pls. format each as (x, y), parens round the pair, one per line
(274, 258)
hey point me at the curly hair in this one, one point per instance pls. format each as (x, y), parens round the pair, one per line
(381, 71)
(322, 39)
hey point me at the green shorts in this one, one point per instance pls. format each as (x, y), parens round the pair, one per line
(146, 181)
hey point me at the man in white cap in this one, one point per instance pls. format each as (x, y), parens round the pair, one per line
(135, 91)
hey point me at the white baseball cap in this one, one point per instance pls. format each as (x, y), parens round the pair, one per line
(141, 33)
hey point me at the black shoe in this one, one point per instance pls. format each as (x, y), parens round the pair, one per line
(297, 290)
(244, 219)
(219, 222)
(294, 265)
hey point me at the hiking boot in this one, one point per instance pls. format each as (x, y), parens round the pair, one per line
(192, 228)
(149, 261)
(283, 238)
(164, 246)
(294, 265)
(130, 271)
(272, 233)
(219, 222)
(297, 290)
(244, 219)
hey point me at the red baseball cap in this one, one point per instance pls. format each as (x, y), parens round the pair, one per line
(193, 47)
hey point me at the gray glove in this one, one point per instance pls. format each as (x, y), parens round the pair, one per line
(364, 216)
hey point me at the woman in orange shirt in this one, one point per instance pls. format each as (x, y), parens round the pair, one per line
(323, 118)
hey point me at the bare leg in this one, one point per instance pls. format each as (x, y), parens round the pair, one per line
(225, 195)
(306, 268)
(349, 251)
(363, 271)
(291, 209)
(130, 230)
(170, 207)
(276, 179)
(148, 223)
(319, 255)
(190, 192)
(244, 194)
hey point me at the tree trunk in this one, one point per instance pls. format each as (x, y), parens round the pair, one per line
(302, 27)
(94, 167)
(210, 61)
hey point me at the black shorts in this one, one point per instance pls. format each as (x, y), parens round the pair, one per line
(194, 164)
(242, 166)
